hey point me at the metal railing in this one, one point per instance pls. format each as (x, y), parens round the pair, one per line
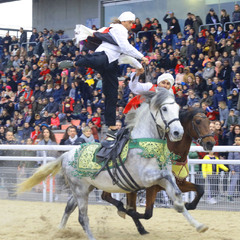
(228, 23)
(141, 32)
(63, 40)
(204, 26)
(51, 189)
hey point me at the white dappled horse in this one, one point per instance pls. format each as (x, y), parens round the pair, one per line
(159, 113)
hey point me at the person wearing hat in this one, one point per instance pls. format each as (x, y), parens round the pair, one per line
(212, 17)
(105, 60)
(165, 80)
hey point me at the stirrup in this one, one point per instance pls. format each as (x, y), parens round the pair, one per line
(111, 134)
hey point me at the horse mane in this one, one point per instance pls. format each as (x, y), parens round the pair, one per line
(189, 113)
(156, 99)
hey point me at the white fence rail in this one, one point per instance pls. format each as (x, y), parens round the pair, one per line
(195, 177)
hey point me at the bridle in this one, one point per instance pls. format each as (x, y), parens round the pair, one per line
(167, 124)
(200, 138)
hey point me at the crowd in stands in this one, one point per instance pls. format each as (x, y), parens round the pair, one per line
(36, 94)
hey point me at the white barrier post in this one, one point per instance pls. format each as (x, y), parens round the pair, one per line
(192, 180)
(44, 182)
(51, 190)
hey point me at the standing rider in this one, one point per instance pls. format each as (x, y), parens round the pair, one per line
(105, 61)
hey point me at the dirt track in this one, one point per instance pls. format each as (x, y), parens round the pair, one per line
(35, 220)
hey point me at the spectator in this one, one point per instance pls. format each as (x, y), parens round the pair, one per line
(220, 34)
(168, 18)
(223, 113)
(73, 138)
(236, 13)
(210, 172)
(197, 22)
(219, 96)
(138, 26)
(225, 74)
(47, 137)
(235, 170)
(55, 122)
(189, 20)
(26, 132)
(23, 37)
(10, 177)
(7, 41)
(233, 99)
(87, 135)
(34, 37)
(212, 17)
(208, 71)
(224, 17)
(34, 134)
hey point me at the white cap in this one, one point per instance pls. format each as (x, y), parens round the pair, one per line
(166, 76)
(127, 16)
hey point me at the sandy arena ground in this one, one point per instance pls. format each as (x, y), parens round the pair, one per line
(35, 220)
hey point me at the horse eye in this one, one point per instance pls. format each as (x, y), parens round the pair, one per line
(164, 109)
(198, 121)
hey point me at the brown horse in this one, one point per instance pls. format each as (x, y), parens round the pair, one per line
(196, 126)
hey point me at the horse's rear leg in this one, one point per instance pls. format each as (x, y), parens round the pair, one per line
(82, 201)
(118, 204)
(122, 211)
(71, 206)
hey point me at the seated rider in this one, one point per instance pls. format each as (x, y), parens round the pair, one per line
(166, 80)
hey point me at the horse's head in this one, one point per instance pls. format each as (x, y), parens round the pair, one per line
(165, 112)
(199, 128)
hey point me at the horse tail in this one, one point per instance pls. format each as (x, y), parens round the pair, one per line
(41, 174)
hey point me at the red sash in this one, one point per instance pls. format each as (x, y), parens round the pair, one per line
(136, 101)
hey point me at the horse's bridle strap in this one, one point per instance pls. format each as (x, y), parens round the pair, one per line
(167, 124)
(200, 138)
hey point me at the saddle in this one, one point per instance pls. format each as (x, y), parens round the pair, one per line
(110, 150)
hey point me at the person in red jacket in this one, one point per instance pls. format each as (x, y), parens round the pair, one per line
(45, 71)
(97, 120)
(67, 107)
(34, 135)
(28, 92)
(55, 122)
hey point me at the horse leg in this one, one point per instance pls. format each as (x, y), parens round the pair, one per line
(118, 204)
(82, 200)
(71, 206)
(173, 192)
(150, 199)
(199, 226)
(80, 191)
(188, 187)
(167, 181)
(122, 211)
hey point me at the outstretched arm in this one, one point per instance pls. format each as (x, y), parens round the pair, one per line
(135, 86)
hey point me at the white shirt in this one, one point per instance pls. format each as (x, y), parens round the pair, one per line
(138, 88)
(120, 35)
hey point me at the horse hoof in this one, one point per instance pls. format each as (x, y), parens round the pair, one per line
(189, 206)
(143, 232)
(121, 214)
(202, 228)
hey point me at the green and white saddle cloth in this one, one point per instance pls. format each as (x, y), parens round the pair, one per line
(85, 164)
